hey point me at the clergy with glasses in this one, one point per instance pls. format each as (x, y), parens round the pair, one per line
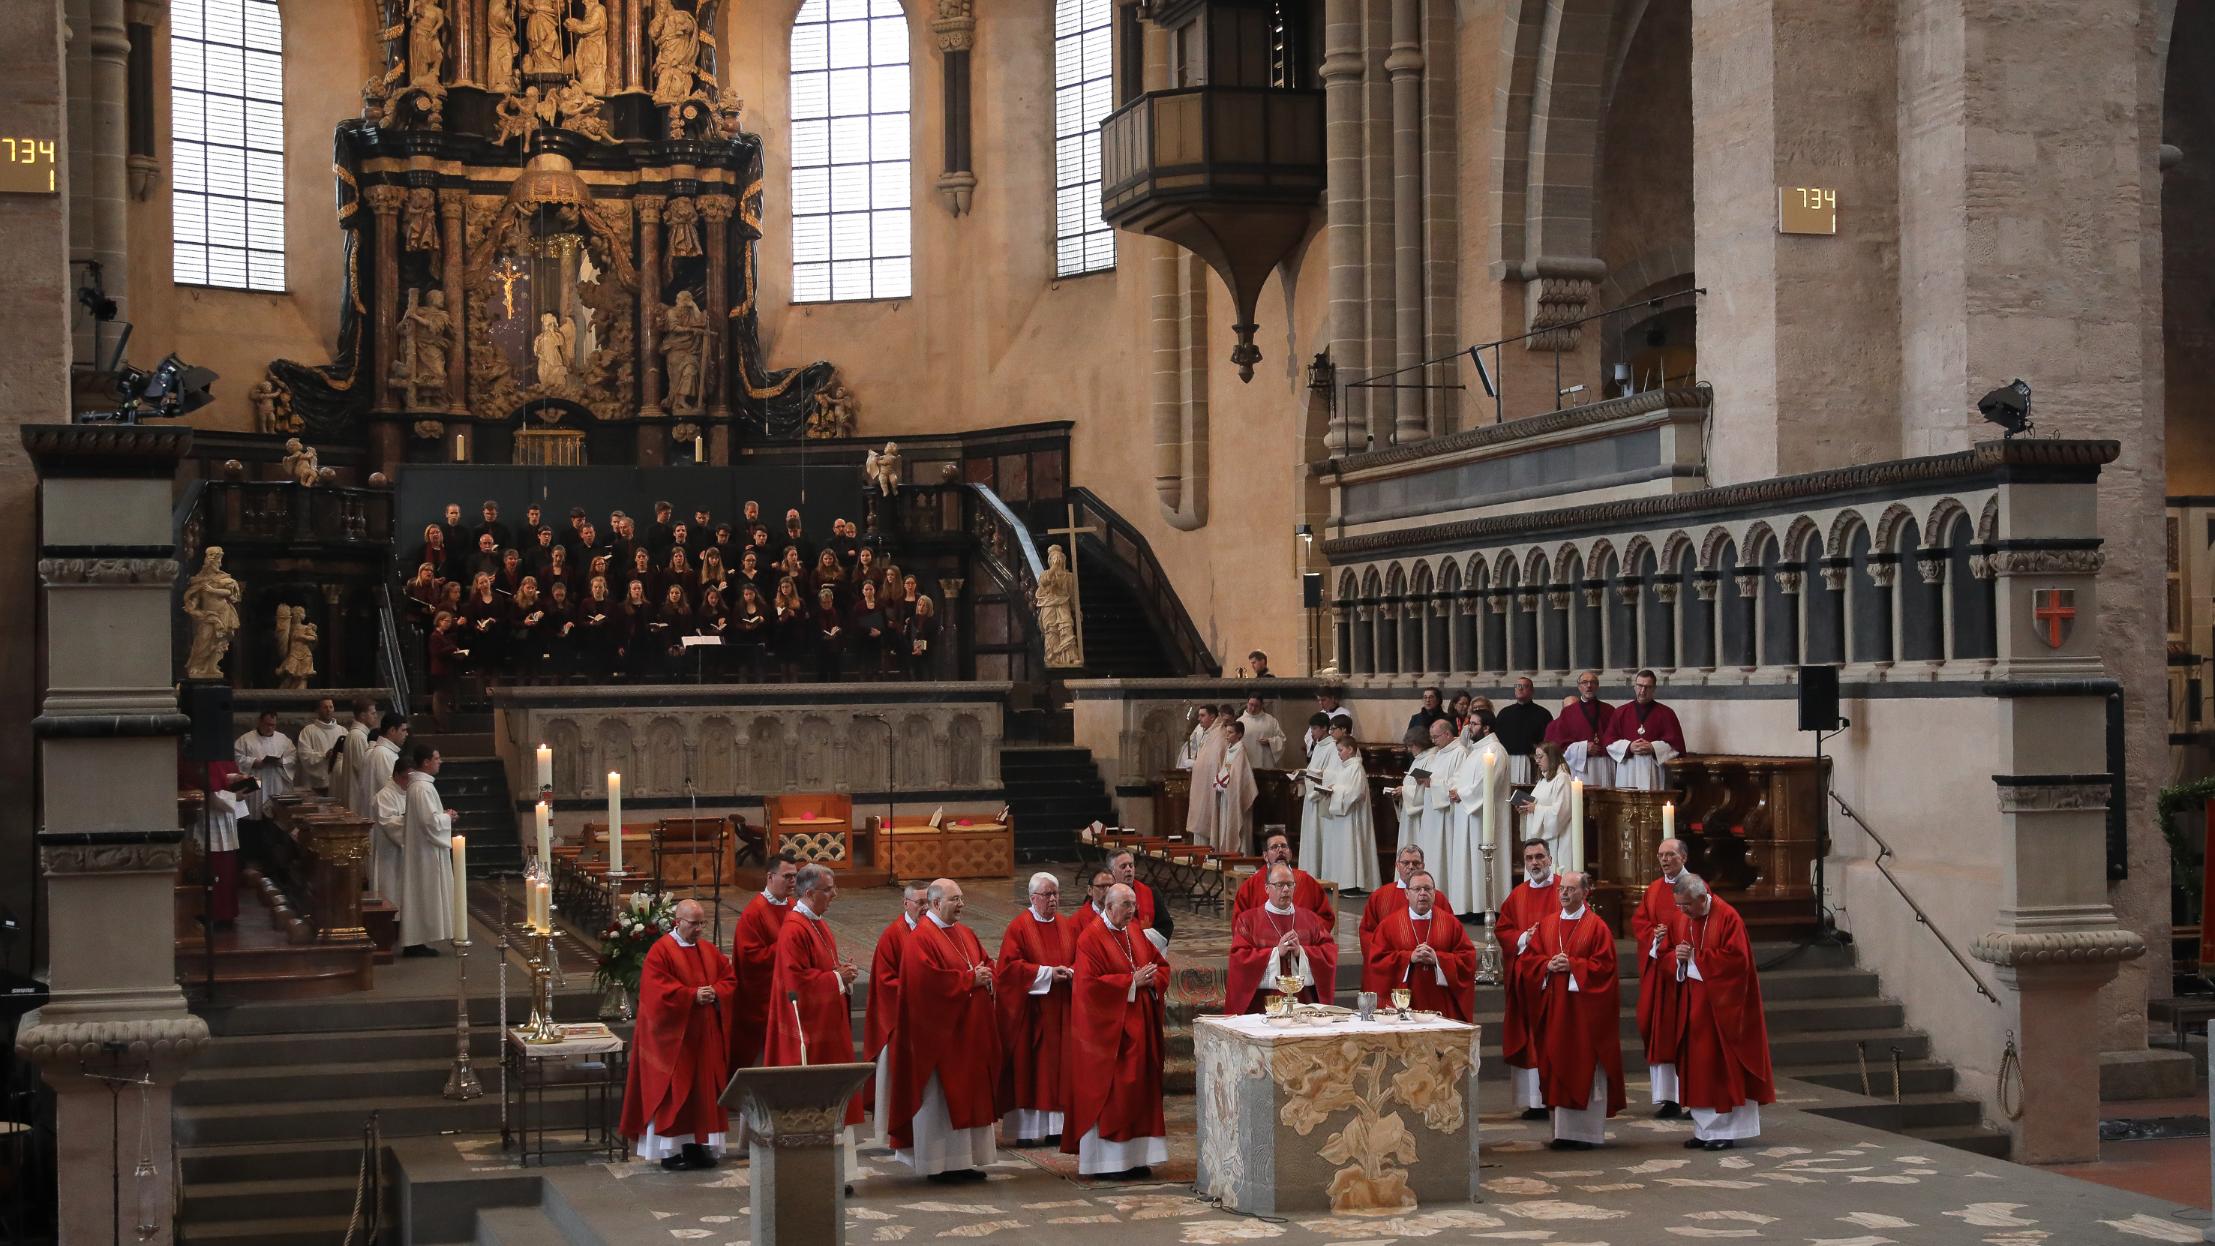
(672, 1107)
(1280, 940)
(1038, 955)
(945, 1107)
(1568, 960)
(810, 987)
(1422, 949)
(1114, 1126)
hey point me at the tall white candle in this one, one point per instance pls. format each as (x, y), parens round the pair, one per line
(530, 904)
(461, 447)
(699, 450)
(615, 822)
(1668, 819)
(545, 767)
(1490, 832)
(461, 888)
(545, 836)
(1576, 825)
(546, 908)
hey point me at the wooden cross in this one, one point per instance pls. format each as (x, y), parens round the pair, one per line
(1076, 587)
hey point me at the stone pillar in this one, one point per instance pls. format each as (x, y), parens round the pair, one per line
(1799, 324)
(451, 204)
(633, 43)
(1348, 324)
(793, 1127)
(1405, 64)
(99, 177)
(715, 366)
(648, 208)
(956, 29)
(466, 64)
(384, 256)
(109, 843)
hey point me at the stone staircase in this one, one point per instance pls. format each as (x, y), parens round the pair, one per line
(1052, 790)
(475, 786)
(1119, 642)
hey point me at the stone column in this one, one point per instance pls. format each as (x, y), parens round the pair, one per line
(1342, 220)
(633, 44)
(466, 64)
(452, 204)
(715, 366)
(956, 29)
(1789, 93)
(108, 842)
(1405, 65)
(384, 255)
(99, 178)
(648, 208)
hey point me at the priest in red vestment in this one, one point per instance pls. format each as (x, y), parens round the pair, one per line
(1654, 935)
(1424, 949)
(1038, 957)
(1306, 892)
(1095, 899)
(1389, 899)
(1724, 1067)
(1154, 920)
(1576, 1019)
(1520, 913)
(1580, 729)
(811, 990)
(884, 1002)
(1280, 939)
(672, 1107)
(753, 953)
(1114, 1127)
(1641, 737)
(945, 1104)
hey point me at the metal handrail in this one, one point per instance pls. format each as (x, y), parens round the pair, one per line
(395, 657)
(1165, 608)
(1885, 850)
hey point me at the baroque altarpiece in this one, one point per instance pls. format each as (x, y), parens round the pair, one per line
(551, 214)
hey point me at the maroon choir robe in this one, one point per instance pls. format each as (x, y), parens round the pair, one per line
(1115, 1039)
(1586, 721)
(1651, 721)
(1254, 936)
(677, 1070)
(1383, 903)
(1522, 910)
(948, 1027)
(1661, 998)
(1575, 1032)
(1306, 894)
(1388, 959)
(808, 1000)
(1725, 1060)
(753, 957)
(1034, 1028)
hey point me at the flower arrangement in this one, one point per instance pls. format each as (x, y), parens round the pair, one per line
(637, 922)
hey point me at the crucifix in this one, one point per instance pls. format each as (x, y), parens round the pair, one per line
(507, 274)
(1076, 596)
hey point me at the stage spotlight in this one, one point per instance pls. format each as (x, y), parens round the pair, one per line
(172, 389)
(2008, 406)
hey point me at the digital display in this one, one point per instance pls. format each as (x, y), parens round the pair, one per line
(26, 165)
(1806, 210)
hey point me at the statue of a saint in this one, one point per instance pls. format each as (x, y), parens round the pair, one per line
(555, 340)
(211, 602)
(300, 463)
(424, 347)
(296, 645)
(676, 38)
(681, 221)
(500, 46)
(541, 37)
(591, 31)
(1056, 599)
(426, 46)
(419, 220)
(684, 345)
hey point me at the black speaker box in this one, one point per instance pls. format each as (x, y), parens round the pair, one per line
(1818, 698)
(1311, 589)
(209, 708)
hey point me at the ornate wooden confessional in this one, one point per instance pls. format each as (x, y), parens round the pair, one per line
(551, 215)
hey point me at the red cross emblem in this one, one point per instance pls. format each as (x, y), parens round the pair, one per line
(2053, 613)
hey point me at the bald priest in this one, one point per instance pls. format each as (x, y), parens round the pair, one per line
(671, 1096)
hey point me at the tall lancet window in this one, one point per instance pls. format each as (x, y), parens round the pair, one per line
(850, 152)
(227, 132)
(1084, 92)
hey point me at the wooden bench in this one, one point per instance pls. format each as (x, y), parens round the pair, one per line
(689, 855)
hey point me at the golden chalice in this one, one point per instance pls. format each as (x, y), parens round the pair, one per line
(1289, 986)
(1276, 1005)
(1400, 1000)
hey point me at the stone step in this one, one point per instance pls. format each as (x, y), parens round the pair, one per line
(247, 1161)
(302, 1231)
(1920, 1110)
(398, 1116)
(249, 1055)
(295, 1198)
(266, 1083)
(518, 1226)
(346, 1017)
(1974, 1138)
(1916, 1076)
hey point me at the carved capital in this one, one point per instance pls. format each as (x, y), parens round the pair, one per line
(1551, 303)
(1665, 590)
(1881, 572)
(1980, 566)
(2016, 949)
(1748, 580)
(1788, 582)
(1595, 591)
(70, 1043)
(956, 187)
(1834, 573)
(1704, 585)
(452, 202)
(2046, 561)
(1626, 591)
(385, 200)
(955, 26)
(1527, 600)
(716, 208)
(1931, 568)
(136, 855)
(1500, 601)
(1557, 598)
(58, 571)
(649, 208)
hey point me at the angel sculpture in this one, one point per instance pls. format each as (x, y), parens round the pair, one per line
(882, 469)
(296, 641)
(299, 462)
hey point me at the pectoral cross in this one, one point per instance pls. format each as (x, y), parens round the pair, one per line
(1076, 586)
(508, 273)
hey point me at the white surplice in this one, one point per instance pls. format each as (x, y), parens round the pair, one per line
(1640, 773)
(387, 843)
(1266, 734)
(316, 741)
(1432, 835)
(358, 791)
(1348, 830)
(1320, 754)
(1548, 818)
(426, 866)
(268, 760)
(1464, 875)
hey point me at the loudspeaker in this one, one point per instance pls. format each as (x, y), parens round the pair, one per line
(1818, 698)
(1311, 589)
(209, 708)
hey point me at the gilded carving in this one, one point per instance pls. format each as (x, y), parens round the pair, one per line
(500, 46)
(296, 639)
(1375, 1148)
(419, 220)
(591, 55)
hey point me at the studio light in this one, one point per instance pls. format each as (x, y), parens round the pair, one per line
(2008, 406)
(172, 389)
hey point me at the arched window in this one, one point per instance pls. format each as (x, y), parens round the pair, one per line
(850, 159)
(1084, 92)
(227, 134)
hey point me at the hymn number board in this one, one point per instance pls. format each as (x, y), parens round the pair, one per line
(1806, 210)
(26, 165)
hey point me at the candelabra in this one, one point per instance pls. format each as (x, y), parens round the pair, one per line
(501, 936)
(461, 1078)
(1488, 952)
(545, 973)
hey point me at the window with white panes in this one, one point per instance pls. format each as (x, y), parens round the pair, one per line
(227, 142)
(1083, 95)
(850, 158)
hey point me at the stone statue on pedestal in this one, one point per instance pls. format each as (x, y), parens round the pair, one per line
(272, 407)
(424, 342)
(211, 602)
(427, 46)
(1056, 600)
(681, 225)
(541, 37)
(555, 340)
(591, 31)
(684, 342)
(419, 220)
(676, 38)
(296, 642)
(500, 46)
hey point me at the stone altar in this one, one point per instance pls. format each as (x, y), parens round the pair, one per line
(1348, 1116)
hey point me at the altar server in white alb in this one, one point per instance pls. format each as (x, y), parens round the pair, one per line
(322, 734)
(1545, 811)
(265, 755)
(388, 839)
(427, 862)
(1234, 792)
(1408, 794)
(1321, 752)
(1479, 794)
(350, 780)
(1642, 736)
(1444, 761)
(1349, 848)
(1264, 734)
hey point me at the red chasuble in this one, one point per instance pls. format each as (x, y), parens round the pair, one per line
(807, 967)
(1255, 935)
(1145, 895)
(677, 1051)
(1585, 721)
(1661, 998)
(1306, 894)
(1389, 961)
(1115, 1044)
(1383, 903)
(1658, 722)
(884, 988)
(1725, 1061)
(948, 1026)
(1033, 1028)
(1524, 908)
(753, 949)
(1575, 1030)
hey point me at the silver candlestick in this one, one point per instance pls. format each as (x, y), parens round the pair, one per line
(461, 1079)
(1488, 951)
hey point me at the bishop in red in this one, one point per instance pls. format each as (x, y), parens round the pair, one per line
(811, 986)
(1576, 1021)
(1519, 916)
(883, 1014)
(1655, 931)
(1725, 1063)
(1306, 892)
(1280, 940)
